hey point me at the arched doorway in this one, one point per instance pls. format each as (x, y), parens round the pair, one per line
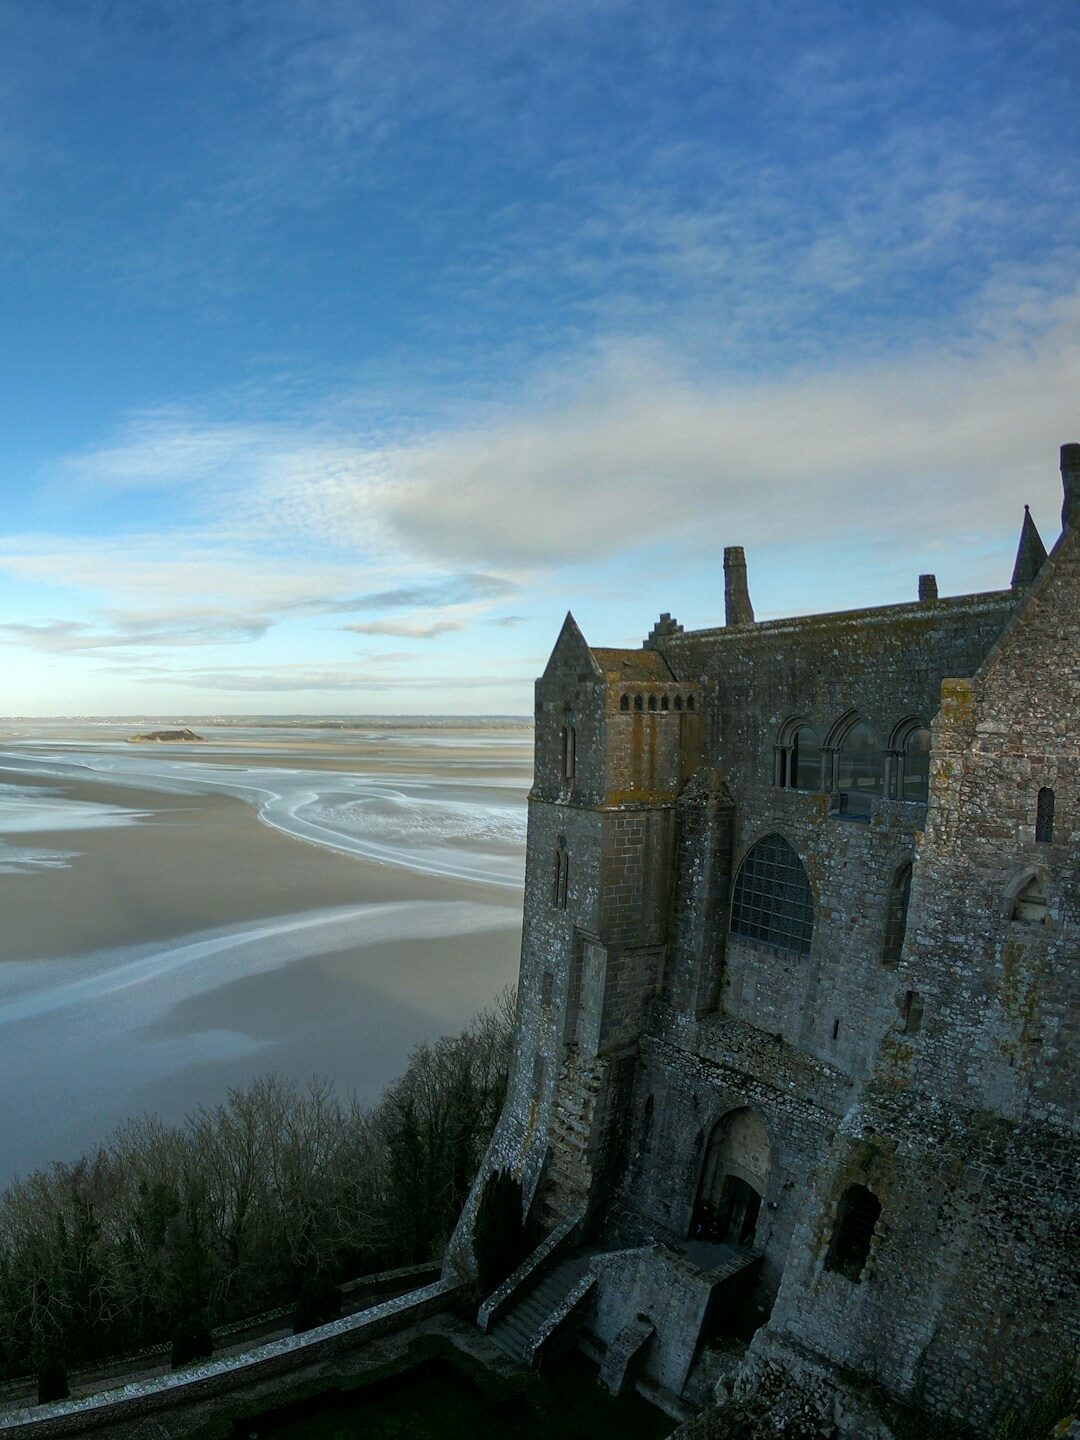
(733, 1178)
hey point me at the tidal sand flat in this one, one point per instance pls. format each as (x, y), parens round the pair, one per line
(176, 920)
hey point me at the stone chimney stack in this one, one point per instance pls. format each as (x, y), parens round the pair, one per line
(927, 588)
(737, 607)
(1070, 482)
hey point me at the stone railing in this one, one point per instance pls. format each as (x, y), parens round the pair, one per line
(530, 1270)
(252, 1330)
(572, 1303)
(217, 1377)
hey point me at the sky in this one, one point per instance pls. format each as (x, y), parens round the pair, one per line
(347, 345)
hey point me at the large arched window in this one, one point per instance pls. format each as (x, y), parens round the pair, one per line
(772, 900)
(860, 770)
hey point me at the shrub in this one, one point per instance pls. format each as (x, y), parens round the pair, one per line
(218, 1218)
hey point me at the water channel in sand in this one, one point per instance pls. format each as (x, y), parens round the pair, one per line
(175, 919)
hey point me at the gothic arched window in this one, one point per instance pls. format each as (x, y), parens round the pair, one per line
(860, 770)
(772, 900)
(798, 757)
(896, 919)
(909, 752)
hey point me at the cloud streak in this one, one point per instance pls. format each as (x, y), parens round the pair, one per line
(146, 632)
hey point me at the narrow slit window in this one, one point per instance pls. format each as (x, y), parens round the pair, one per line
(1044, 816)
(678, 702)
(569, 752)
(639, 703)
(647, 1123)
(624, 703)
(664, 702)
(562, 876)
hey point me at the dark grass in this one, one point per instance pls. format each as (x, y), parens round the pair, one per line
(446, 1401)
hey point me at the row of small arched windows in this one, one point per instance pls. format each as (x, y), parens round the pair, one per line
(656, 702)
(853, 764)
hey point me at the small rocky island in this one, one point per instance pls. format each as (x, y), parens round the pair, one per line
(183, 736)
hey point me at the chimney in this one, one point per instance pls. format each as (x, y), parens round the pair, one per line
(737, 607)
(927, 588)
(1070, 482)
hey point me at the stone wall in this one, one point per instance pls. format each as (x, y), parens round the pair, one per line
(932, 1070)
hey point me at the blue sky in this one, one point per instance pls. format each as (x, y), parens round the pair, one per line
(347, 345)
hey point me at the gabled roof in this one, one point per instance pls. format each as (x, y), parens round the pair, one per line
(619, 665)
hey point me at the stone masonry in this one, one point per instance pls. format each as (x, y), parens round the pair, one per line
(798, 975)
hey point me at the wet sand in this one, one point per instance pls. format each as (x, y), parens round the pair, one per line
(190, 946)
(193, 863)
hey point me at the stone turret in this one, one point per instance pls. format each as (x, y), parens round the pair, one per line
(737, 607)
(1030, 553)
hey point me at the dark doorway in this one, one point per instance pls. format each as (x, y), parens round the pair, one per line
(734, 1172)
(731, 1219)
(739, 1206)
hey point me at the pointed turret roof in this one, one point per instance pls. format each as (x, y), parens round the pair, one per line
(1030, 553)
(572, 642)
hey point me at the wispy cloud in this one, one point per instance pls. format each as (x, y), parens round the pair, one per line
(642, 453)
(143, 632)
(270, 680)
(453, 590)
(412, 630)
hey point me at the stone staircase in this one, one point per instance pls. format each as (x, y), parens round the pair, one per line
(521, 1330)
(569, 1174)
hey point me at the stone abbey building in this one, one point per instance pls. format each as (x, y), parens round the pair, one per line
(796, 1041)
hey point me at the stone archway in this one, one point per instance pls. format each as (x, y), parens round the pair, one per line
(734, 1173)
